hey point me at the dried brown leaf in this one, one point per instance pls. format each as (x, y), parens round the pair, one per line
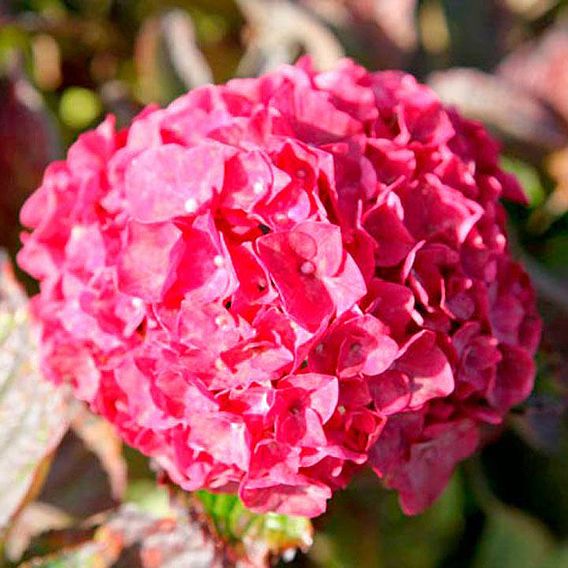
(129, 537)
(529, 9)
(35, 519)
(396, 18)
(167, 57)
(515, 114)
(279, 31)
(383, 33)
(541, 68)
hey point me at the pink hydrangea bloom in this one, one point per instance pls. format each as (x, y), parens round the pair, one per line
(273, 282)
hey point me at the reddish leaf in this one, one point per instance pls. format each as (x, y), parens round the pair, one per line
(32, 412)
(23, 118)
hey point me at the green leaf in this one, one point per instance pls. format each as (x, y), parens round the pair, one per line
(79, 107)
(513, 539)
(424, 539)
(149, 497)
(555, 253)
(365, 527)
(528, 177)
(558, 559)
(254, 536)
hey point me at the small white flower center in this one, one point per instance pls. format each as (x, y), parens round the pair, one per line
(190, 205)
(78, 231)
(221, 321)
(307, 267)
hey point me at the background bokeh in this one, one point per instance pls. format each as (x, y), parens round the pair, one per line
(65, 63)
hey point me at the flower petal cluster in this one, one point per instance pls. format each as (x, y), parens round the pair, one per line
(271, 283)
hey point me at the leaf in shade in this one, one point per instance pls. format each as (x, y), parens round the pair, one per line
(254, 539)
(516, 115)
(100, 437)
(88, 474)
(558, 558)
(279, 32)
(32, 412)
(478, 32)
(130, 537)
(557, 203)
(540, 422)
(528, 177)
(78, 482)
(512, 539)
(168, 59)
(23, 117)
(117, 100)
(366, 527)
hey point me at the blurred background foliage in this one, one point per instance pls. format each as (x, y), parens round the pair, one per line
(65, 63)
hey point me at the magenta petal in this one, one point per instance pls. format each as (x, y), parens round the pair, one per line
(427, 367)
(347, 287)
(169, 181)
(433, 208)
(391, 392)
(388, 229)
(366, 348)
(323, 392)
(154, 243)
(272, 282)
(306, 498)
(221, 436)
(432, 463)
(393, 305)
(304, 295)
(515, 378)
(203, 267)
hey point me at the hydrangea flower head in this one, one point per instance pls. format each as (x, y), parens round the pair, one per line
(272, 283)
